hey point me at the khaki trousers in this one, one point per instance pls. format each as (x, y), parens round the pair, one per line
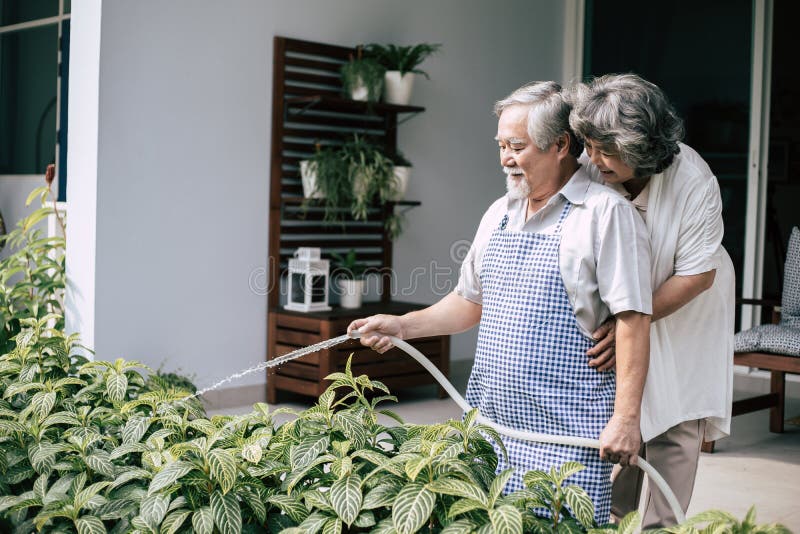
(674, 454)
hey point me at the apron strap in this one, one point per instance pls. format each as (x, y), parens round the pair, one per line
(564, 213)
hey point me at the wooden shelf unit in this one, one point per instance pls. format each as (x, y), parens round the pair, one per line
(290, 330)
(308, 109)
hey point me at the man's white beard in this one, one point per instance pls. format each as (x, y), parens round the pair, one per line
(516, 184)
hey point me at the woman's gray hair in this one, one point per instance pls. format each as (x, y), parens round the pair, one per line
(548, 116)
(629, 116)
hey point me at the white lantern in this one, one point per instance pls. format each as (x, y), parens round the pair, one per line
(308, 281)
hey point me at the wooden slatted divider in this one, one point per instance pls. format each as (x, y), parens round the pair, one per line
(308, 108)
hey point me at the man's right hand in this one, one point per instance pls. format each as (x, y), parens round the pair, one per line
(375, 331)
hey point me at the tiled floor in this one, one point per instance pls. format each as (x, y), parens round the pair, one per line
(751, 467)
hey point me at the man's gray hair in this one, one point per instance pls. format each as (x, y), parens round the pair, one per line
(630, 116)
(548, 116)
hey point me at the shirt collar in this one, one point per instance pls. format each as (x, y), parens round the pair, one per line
(574, 190)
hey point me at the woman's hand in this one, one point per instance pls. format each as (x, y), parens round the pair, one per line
(375, 331)
(603, 354)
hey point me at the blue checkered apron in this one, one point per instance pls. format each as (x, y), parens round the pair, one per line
(531, 371)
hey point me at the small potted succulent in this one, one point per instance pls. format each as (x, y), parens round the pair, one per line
(401, 64)
(362, 77)
(348, 274)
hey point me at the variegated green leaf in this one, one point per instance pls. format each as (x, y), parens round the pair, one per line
(581, 504)
(459, 488)
(353, 427)
(226, 512)
(380, 496)
(60, 418)
(463, 506)
(506, 520)
(313, 523)
(342, 467)
(345, 497)
(414, 466)
(203, 425)
(254, 501)
(629, 523)
(303, 453)
(365, 519)
(99, 461)
(153, 508)
(412, 507)
(333, 526)
(462, 526)
(290, 506)
(296, 476)
(43, 402)
(116, 509)
(7, 501)
(534, 478)
(90, 525)
(85, 495)
(174, 521)
(496, 488)
(252, 453)
(135, 429)
(126, 449)
(568, 469)
(133, 473)
(116, 386)
(384, 527)
(10, 427)
(203, 520)
(168, 475)
(222, 465)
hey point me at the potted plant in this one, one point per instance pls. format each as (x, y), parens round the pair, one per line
(402, 172)
(355, 176)
(401, 64)
(362, 77)
(323, 175)
(349, 276)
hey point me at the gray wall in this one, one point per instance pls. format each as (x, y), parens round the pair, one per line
(183, 156)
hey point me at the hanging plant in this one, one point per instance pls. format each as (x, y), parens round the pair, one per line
(362, 77)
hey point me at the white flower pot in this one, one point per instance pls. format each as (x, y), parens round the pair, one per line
(350, 293)
(401, 174)
(308, 177)
(398, 88)
(359, 92)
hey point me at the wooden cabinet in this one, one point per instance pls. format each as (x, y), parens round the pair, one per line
(290, 330)
(307, 109)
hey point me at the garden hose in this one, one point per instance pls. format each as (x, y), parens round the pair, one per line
(652, 474)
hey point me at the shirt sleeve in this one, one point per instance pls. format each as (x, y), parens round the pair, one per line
(469, 283)
(623, 261)
(701, 231)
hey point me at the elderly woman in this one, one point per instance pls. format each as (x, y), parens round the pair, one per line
(632, 139)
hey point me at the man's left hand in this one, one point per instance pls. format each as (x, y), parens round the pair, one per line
(620, 441)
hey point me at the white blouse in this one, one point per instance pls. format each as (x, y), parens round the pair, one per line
(691, 350)
(604, 254)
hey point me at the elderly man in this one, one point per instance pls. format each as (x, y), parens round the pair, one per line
(551, 261)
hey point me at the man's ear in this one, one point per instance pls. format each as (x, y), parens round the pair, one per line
(562, 144)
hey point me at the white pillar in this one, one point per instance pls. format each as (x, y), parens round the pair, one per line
(84, 105)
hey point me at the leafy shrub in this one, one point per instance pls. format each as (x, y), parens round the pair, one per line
(32, 276)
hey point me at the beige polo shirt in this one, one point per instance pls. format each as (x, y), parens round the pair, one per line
(604, 255)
